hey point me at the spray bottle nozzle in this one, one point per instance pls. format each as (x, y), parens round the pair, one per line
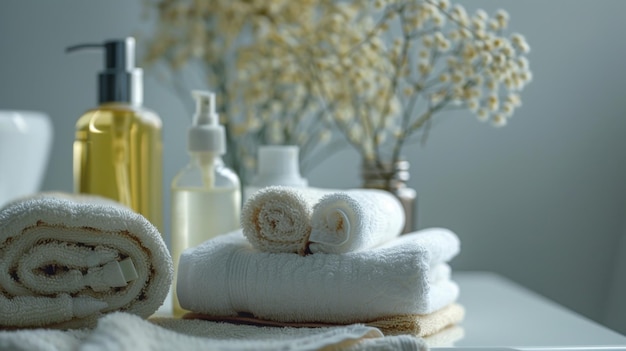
(205, 108)
(206, 134)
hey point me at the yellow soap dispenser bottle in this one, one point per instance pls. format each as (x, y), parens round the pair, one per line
(206, 195)
(118, 149)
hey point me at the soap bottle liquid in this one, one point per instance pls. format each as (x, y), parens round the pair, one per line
(206, 195)
(118, 150)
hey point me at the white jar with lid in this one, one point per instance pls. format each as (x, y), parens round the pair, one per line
(277, 165)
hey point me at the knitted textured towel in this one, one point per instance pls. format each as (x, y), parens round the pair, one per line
(66, 259)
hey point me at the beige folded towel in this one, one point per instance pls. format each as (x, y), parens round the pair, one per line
(417, 325)
(66, 259)
(421, 325)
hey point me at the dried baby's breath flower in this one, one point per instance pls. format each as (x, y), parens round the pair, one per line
(499, 120)
(482, 114)
(297, 71)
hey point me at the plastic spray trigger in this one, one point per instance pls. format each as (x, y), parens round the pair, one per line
(205, 108)
(206, 134)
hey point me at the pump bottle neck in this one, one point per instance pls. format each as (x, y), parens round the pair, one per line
(119, 81)
(206, 157)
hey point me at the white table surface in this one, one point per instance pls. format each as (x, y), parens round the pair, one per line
(501, 313)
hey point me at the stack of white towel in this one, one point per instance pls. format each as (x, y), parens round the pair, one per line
(312, 258)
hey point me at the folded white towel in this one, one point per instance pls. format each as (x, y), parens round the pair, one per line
(65, 259)
(226, 275)
(439, 272)
(122, 331)
(355, 220)
(277, 218)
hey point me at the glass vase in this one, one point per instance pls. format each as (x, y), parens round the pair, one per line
(393, 178)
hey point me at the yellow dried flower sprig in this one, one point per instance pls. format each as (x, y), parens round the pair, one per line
(291, 72)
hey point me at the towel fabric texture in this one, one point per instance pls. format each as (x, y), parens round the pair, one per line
(355, 220)
(226, 276)
(295, 220)
(447, 337)
(420, 325)
(123, 331)
(66, 259)
(277, 218)
(417, 325)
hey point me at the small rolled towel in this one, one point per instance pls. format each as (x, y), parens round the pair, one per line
(355, 220)
(66, 259)
(226, 276)
(277, 218)
(295, 220)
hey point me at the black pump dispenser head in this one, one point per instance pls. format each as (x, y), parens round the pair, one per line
(120, 80)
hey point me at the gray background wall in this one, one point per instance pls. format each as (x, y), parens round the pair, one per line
(541, 201)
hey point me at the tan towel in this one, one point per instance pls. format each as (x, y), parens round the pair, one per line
(421, 325)
(417, 325)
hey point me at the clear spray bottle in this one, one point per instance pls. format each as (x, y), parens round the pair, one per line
(206, 195)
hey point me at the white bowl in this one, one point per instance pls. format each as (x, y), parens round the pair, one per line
(25, 143)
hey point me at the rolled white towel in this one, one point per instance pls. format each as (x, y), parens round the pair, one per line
(301, 220)
(277, 218)
(355, 220)
(225, 276)
(66, 259)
